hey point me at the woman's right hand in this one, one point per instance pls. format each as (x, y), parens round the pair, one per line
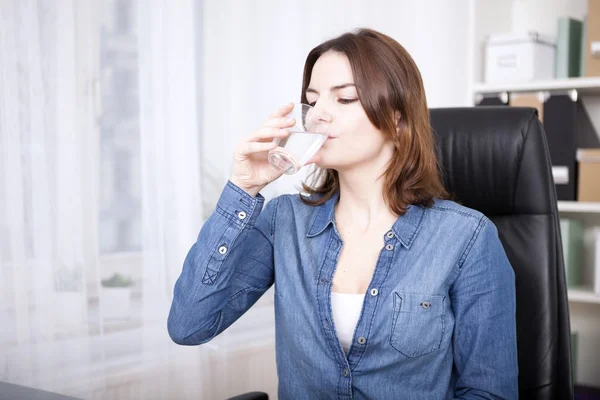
(251, 170)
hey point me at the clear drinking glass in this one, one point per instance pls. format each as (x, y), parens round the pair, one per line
(303, 142)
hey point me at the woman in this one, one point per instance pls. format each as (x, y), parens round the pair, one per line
(383, 289)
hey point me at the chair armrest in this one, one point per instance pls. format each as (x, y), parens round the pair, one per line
(251, 396)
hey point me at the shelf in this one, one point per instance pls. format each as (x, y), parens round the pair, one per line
(583, 295)
(579, 206)
(584, 86)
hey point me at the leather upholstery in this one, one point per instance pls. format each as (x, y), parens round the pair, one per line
(251, 396)
(496, 160)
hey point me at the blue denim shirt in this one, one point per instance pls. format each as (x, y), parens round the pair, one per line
(438, 319)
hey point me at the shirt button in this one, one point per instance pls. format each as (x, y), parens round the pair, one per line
(241, 215)
(425, 304)
(222, 249)
(390, 235)
(345, 371)
(362, 340)
(374, 292)
(389, 247)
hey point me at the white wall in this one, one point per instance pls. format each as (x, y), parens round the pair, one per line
(254, 53)
(526, 15)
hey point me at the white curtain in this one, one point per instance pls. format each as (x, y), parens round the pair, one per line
(99, 175)
(101, 186)
(48, 198)
(117, 122)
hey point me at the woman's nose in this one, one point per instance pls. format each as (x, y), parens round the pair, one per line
(319, 120)
(321, 115)
(324, 117)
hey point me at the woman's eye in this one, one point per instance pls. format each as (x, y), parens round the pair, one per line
(342, 101)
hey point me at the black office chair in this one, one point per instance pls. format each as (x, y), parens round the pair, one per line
(496, 160)
(251, 396)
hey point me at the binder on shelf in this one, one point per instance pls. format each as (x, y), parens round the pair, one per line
(528, 99)
(589, 175)
(574, 351)
(572, 243)
(596, 247)
(492, 100)
(568, 47)
(568, 127)
(582, 47)
(592, 42)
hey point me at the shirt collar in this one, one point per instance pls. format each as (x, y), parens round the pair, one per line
(408, 225)
(323, 216)
(405, 228)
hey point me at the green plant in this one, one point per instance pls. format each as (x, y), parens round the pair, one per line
(117, 280)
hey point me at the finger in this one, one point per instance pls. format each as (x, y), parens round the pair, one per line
(256, 147)
(282, 111)
(281, 122)
(266, 133)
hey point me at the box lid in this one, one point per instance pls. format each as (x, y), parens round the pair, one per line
(520, 37)
(588, 155)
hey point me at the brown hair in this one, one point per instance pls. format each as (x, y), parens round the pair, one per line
(388, 82)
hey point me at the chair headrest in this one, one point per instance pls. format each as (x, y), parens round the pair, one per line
(495, 159)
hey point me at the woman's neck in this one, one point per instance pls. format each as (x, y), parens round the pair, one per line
(361, 205)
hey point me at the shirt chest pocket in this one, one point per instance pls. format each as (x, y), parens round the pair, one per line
(417, 323)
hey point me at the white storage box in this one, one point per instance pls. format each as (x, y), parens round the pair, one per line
(518, 57)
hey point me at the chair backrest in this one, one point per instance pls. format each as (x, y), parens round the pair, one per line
(496, 160)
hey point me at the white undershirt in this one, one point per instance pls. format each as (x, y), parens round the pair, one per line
(346, 309)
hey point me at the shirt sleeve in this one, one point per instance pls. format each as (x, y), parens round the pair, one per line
(229, 267)
(484, 305)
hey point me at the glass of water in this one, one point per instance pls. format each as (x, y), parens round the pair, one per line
(305, 139)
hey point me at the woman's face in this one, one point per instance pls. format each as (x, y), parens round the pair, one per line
(353, 140)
